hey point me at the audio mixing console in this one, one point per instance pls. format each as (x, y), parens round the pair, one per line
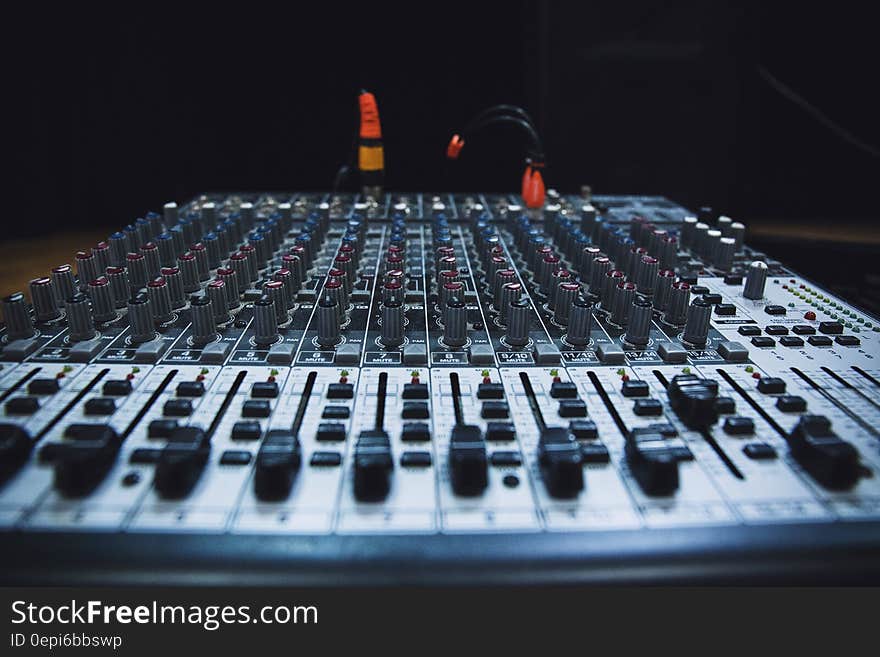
(316, 388)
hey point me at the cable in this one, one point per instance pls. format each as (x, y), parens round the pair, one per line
(788, 93)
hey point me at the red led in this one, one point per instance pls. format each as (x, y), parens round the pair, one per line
(486, 379)
(200, 377)
(557, 379)
(625, 377)
(802, 286)
(271, 379)
(415, 379)
(756, 375)
(343, 379)
(810, 315)
(129, 376)
(60, 375)
(785, 287)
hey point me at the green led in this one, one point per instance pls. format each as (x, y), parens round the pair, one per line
(876, 329)
(791, 305)
(685, 370)
(135, 370)
(813, 303)
(554, 372)
(621, 372)
(860, 320)
(856, 329)
(204, 370)
(274, 372)
(848, 325)
(749, 369)
(67, 368)
(484, 373)
(833, 315)
(416, 373)
(869, 325)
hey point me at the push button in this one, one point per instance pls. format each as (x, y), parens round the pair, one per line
(830, 328)
(330, 431)
(415, 432)
(177, 408)
(340, 391)
(738, 425)
(748, 330)
(647, 407)
(634, 388)
(563, 390)
(791, 341)
(43, 387)
(572, 408)
(490, 391)
(22, 406)
(500, 431)
(583, 429)
(791, 404)
(771, 385)
(256, 408)
(415, 411)
(494, 410)
(100, 406)
(246, 430)
(415, 391)
(819, 340)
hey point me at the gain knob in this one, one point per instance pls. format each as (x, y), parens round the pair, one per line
(646, 274)
(79, 318)
(265, 325)
(86, 268)
(204, 328)
(230, 281)
(137, 270)
(43, 299)
(510, 292)
(663, 288)
(599, 270)
(328, 322)
(724, 254)
(696, 329)
(392, 324)
(455, 323)
(756, 279)
(518, 323)
(639, 327)
(18, 319)
(103, 303)
(580, 322)
(609, 285)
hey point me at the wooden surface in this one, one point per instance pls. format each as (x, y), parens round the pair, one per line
(31, 258)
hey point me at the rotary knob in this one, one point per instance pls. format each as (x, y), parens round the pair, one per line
(265, 324)
(175, 286)
(204, 328)
(609, 285)
(218, 294)
(137, 270)
(392, 291)
(392, 324)
(724, 253)
(160, 299)
(455, 323)
(580, 322)
(518, 323)
(566, 293)
(43, 298)
(230, 282)
(696, 329)
(646, 274)
(86, 268)
(140, 319)
(18, 320)
(676, 309)
(103, 304)
(639, 328)
(622, 302)
(756, 279)
(275, 291)
(328, 322)
(118, 278)
(63, 283)
(79, 318)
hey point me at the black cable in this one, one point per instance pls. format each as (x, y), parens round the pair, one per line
(788, 93)
(537, 146)
(503, 109)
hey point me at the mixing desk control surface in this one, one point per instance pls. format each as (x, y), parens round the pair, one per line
(435, 387)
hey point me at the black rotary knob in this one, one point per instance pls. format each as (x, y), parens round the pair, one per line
(696, 328)
(275, 291)
(328, 322)
(265, 325)
(79, 318)
(622, 299)
(204, 328)
(63, 283)
(392, 324)
(455, 323)
(118, 278)
(756, 279)
(566, 293)
(160, 299)
(639, 328)
(676, 309)
(43, 298)
(140, 319)
(580, 322)
(174, 282)
(103, 303)
(17, 317)
(216, 291)
(518, 323)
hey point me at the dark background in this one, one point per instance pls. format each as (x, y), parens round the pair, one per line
(112, 114)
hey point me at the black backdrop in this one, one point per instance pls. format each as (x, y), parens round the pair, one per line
(110, 114)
